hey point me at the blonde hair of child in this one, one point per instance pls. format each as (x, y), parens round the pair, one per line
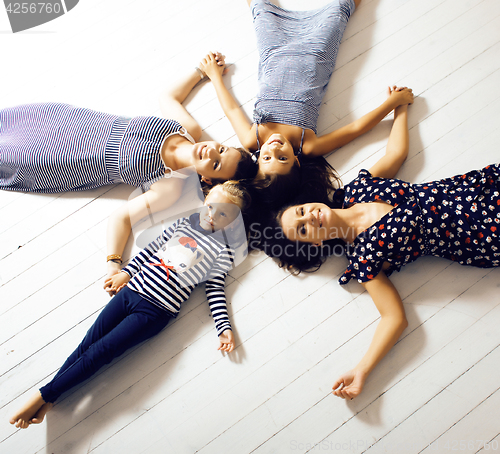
(236, 193)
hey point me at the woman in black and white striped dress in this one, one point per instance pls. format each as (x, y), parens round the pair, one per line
(51, 147)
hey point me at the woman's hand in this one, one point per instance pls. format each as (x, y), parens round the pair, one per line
(321, 145)
(116, 282)
(392, 323)
(213, 65)
(349, 385)
(226, 340)
(400, 96)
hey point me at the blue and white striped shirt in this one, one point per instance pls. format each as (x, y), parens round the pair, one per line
(167, 270)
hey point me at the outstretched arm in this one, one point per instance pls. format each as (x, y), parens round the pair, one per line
(340, 137)
(171, 103)
(216, 296)
(392, 323)
(240, 123)
(397, 146)
(162, 194)
(172, 98)
(226, 341)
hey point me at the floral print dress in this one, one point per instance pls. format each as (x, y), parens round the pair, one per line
(456, 218)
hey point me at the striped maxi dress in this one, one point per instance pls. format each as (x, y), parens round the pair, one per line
(52, 147)
(297, 53)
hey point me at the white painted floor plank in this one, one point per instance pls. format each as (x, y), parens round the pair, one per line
(176, 393)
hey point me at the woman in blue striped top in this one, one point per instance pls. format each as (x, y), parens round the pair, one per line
(50, 147)
(297, 53)
(150, 291)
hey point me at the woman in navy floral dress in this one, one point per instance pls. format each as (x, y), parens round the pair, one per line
(457, 218)
(384, 223)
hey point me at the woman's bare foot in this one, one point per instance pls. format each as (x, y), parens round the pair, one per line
(33, 412)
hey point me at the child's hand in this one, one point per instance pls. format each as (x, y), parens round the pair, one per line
(116, 282)
(213, 65)
(113, 268)
(226, 340)
(349, 385)
(400, 95)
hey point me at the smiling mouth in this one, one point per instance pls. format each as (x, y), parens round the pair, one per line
(201, 152)
(275, 140)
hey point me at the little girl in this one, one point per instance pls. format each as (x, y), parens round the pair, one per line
(150, 291)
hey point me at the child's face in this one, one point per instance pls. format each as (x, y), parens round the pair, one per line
(218, 211)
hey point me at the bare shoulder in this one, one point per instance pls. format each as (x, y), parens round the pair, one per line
(310, 143)
(250, 140)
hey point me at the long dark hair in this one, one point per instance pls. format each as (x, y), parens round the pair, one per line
(310, 179)
(312, 176)
(246, 169)
(295, 256)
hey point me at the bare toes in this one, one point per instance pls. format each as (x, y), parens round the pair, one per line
(22, 424)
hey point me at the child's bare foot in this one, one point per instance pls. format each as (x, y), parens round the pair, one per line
(33, 412)
(40, 414)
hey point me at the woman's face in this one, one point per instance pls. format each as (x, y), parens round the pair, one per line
(214, 161)
(276, 156)
(218, 211)
(308, 223)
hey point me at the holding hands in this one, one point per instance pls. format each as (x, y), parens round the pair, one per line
(400, 96)
(226, 340)
(113, 284)
(213, 65)
(113, 268)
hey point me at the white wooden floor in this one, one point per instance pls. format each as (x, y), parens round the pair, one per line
(438, 389)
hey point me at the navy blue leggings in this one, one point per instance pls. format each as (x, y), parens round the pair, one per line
(127, 320)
